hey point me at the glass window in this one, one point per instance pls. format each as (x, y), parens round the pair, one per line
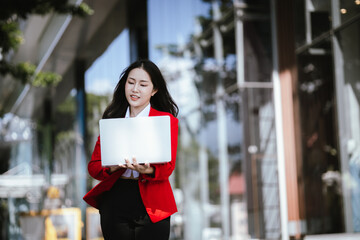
(312, 19)
(325, 61)
(349, 43)
(198, 60)
(321, 166)
(100, 81)
(319, 14)
(260, 164)
(299, 23)
(65, 144)
(349, 9)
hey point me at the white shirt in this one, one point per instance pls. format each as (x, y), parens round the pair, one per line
(144, 113)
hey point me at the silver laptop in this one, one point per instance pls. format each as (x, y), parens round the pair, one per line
(147, 139)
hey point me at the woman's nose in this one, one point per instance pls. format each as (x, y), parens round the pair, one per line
(135, 88)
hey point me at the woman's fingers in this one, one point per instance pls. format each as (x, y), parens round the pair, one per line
(114, 168)
(134, 165)
(128, 164)
(141, 168)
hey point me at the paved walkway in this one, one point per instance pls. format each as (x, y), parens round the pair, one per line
(339, 236)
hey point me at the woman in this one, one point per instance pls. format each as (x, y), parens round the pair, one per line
(136, 201)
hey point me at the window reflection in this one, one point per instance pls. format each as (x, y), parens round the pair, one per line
(327, 36)
(321, 165)
(349, 9)
(217, 201)
(349, 44)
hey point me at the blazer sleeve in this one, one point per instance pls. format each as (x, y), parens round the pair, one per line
(164, 170)
(96, 170)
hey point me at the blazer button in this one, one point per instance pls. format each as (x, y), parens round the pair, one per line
(143, 180)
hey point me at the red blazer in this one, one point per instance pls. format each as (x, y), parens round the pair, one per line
(155, 191)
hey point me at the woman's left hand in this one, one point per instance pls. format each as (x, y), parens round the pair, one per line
(141, 168)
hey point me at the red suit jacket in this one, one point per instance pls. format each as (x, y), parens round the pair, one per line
(155, 190)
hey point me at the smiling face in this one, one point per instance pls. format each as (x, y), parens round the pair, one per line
(138, 90)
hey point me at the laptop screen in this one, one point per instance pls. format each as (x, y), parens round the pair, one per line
(148, 139)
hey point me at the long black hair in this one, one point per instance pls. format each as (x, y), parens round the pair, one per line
(161, 101)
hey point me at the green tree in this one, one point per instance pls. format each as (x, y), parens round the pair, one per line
(11, 12)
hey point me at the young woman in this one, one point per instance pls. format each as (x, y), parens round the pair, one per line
(136, 201)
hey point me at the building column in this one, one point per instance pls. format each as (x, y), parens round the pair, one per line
(80, 128)
(221, 125)
(48, 139)
(290, 118)
(138, 30)
(343, 129)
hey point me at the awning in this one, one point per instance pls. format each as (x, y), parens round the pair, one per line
(19, 186)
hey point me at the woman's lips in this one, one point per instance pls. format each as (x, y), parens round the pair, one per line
(134, 97)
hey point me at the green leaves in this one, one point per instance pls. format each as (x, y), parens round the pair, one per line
(11, 11)
(26, 73)
(83, 10)
(22, 9)
(10, 36)
(45, 79)
(23, 71)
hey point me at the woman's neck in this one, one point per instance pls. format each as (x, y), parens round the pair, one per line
(135, 111)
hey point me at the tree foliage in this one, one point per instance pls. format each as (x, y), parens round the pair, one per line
(11, 13)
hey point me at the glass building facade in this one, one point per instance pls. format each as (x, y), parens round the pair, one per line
(327, 55)
(269, 121)
(221, 77)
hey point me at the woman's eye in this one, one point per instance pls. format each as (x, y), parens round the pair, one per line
(143, 85)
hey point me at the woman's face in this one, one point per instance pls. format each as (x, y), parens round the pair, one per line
(138, 90)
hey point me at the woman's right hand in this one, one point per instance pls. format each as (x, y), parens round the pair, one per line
(114, 168)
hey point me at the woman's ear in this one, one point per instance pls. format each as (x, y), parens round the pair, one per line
(154, 92)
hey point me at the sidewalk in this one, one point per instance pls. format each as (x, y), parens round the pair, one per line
(339, 236)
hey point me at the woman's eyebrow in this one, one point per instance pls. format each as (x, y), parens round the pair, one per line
(143, 80)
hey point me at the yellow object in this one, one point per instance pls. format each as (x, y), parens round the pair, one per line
(53, 192)
(50, 231)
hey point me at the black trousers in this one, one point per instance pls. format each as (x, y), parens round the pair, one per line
(123, 215)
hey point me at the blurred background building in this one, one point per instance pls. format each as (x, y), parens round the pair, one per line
(268, 91)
